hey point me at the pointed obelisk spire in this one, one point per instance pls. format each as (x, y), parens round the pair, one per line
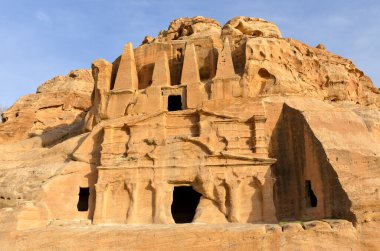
(226, 83)
(225, 67)
(126, 77)
(161, 71)
(190, 69)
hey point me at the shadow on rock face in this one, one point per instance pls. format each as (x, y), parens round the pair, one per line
(307, 186)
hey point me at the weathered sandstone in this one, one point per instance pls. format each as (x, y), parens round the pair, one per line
(254, 140)
(54, 113)
(255, 27)
(195, 28)
(190, 237)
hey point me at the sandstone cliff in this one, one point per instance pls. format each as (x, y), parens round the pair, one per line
(53, 113)
(303, 122)
(271, 64)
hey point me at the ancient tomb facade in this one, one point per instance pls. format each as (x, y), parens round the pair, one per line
(145, 160)
(176, 141)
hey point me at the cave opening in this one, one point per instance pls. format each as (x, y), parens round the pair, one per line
(311, 199)
(174, 103)
(185, 202)
(84, 194)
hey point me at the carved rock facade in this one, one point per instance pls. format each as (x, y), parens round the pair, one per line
(205, 124)
(182, 130)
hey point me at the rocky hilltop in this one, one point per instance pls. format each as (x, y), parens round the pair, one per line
(58, 108)
(277, 65)
(248, 139)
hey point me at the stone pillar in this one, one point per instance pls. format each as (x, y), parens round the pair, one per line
(162, 200)
(161, 71)
(126, 84)
(261, 146)
(102, 72)
(190, 69)
(161, 78)
(226, 83)
(191, 78)
(269, 209)
(100, 214)
(127, 78)
(233, 185)
(132, 188)
(225, 66)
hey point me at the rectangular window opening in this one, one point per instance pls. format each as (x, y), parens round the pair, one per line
(84, 194)
(174, 103)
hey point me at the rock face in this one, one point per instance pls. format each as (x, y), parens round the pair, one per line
(317, 132)
(286, 66)
(275, 142)
(185, 28)
(55, 112)
(253, 27)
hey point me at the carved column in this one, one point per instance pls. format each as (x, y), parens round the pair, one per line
(233, 185)
(162, 200)
(132, 188)
(100, 214)
(269, 209)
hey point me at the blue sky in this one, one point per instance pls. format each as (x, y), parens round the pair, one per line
(44, 38)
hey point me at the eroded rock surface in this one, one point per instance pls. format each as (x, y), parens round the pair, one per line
(194, 28)
(55, 112)
(287, 66)
(253, 27)
(257, 140)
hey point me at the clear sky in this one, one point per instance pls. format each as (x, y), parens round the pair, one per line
(40, 39)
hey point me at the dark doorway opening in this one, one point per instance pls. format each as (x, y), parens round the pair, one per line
(174, 103)
(185, 202)
(311, 199)
(84, 194)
